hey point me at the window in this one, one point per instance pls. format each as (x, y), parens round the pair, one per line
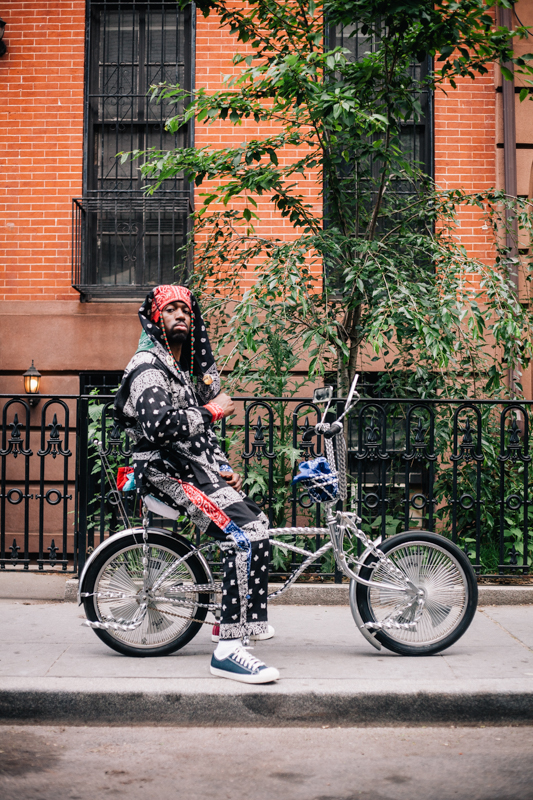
(105, 382)
(416, 137)
(125, 242)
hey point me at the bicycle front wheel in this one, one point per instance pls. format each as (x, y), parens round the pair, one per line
(438, 567)
(175, 610)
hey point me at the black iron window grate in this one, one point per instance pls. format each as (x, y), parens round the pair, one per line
(124, 246)
(416, 136)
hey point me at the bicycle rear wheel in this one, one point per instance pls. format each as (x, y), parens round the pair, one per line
(167, 626)
(433, 564)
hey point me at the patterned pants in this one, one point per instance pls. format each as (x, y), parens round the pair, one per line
(244, 596)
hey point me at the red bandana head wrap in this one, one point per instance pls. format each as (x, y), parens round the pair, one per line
(165, 294)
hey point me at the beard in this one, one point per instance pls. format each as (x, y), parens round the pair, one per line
(178, 337)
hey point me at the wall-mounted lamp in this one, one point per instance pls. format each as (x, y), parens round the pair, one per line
(3, 46)
(32, 382)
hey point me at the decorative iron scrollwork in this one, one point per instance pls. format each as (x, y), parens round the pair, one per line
(129, 230)
(467, 501)
(469, 450)
(259, 444)
(372, 436)
(418, 447)
(14, 550)
(15, 443)
(513, 556)
(466, 550)
(371, 500)
(518, 443)
(514, 502)
(113, 497)
(114, 440)
(307, 445)
(53, 497)
(53, 550)
(18, 494)
(419, 501)
(54, 448)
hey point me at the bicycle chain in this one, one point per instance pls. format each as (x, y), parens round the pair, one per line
(190, 619)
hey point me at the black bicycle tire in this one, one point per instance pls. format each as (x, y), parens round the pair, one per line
(124, 543)
(362, 593)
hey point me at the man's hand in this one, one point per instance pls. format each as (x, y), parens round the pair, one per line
(226, 403)
(234, 480)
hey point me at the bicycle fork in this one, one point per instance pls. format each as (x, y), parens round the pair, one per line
(341, 524)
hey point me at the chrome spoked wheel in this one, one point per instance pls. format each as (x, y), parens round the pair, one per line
(447, 585)
(156, 621)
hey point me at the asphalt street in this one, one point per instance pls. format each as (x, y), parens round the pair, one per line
(83, 763)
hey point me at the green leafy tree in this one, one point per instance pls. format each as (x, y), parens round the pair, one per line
(381, 269)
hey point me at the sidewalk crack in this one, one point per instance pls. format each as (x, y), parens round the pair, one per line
(52, 665)
(503, 628)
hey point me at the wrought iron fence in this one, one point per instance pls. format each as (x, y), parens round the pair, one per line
(458, 467)
(38, 484)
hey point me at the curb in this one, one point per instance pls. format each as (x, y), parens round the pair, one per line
(305, 594)
(301, 594)
(71, 590)
(265, 709)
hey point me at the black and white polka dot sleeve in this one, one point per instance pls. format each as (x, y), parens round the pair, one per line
(161, 422)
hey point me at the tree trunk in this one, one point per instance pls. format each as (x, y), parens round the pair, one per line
(346, 371)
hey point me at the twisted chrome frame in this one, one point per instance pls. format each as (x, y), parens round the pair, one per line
(339, 525)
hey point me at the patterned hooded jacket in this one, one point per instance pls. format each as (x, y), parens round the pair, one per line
(163, 412)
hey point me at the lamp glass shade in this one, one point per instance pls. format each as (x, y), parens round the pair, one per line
(32, 380)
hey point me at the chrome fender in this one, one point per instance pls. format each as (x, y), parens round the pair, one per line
(369, 636)
(139, 531)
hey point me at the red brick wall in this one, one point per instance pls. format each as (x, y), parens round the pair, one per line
(41, 129)
(214, 52)
(465, 151)
(41, 133)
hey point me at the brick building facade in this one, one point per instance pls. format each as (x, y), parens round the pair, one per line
(44, 141)
(71, 99)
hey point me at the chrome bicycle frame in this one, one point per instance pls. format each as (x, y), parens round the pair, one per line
(339, 525)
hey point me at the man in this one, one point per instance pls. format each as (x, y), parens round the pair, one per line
(168, 400)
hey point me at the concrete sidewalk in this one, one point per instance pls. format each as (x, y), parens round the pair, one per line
(56, 671)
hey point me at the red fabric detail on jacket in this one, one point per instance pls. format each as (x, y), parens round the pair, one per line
(206, 505)
(216, 411)
(165, 294)
(122, 476)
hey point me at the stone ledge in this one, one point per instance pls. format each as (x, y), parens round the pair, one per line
(505, 595)
(302, 594)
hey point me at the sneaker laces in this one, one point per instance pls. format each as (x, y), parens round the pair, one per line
(246, 660)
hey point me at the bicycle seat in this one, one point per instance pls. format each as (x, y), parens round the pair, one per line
(158, 507)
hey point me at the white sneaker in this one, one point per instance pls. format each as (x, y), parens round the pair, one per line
(243, 667)
(254, 637)
(261, 637)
